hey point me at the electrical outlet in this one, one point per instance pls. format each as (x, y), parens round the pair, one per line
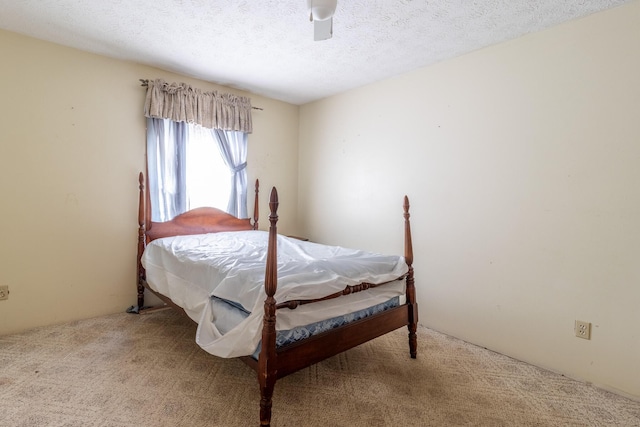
(4, 292)
(583, 329)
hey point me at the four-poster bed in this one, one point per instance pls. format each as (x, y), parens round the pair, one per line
(281, 286)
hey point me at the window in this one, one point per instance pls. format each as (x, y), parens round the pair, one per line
(208, 179)
(190, 166)
(183, 168)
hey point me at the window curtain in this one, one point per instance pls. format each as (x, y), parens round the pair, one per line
(229, 117)
(180, 102)
(233, 148)
(166, 145)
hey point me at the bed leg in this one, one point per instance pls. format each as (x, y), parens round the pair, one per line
(413, 315)
(140, 295)
(266, 394)
(413, 340)
(267, 371)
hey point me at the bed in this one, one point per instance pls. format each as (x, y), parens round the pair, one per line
(280, 304)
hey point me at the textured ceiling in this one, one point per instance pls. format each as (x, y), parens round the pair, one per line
(266, 46)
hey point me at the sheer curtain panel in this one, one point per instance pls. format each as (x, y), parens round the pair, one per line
(233, 148)
(166, 167)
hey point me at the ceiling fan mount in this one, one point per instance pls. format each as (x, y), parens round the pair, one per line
(321, 14)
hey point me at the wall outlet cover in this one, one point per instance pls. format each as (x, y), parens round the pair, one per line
(583, 329)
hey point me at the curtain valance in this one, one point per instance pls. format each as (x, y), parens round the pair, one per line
(182, 103)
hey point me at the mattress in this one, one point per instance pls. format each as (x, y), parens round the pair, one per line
(218, 279)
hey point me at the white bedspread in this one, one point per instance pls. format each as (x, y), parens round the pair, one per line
(231, 266)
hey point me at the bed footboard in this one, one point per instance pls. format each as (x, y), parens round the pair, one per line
(275, 363)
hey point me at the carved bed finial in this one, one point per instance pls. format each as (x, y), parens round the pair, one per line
(271, 275)
(408, 246)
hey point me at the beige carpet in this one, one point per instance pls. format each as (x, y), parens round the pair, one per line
(145, 370)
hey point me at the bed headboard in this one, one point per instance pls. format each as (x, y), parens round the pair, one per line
(195, 221)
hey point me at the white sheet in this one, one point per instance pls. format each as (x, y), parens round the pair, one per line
(190, 269)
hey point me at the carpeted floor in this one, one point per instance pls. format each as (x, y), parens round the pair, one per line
(146, 370)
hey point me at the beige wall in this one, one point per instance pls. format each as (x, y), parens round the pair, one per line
(522, 162)
(72, 139)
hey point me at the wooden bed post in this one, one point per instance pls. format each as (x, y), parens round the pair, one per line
(267, 363)
(411, 288)
(147, 205)
(141, 238)
(256, 206)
